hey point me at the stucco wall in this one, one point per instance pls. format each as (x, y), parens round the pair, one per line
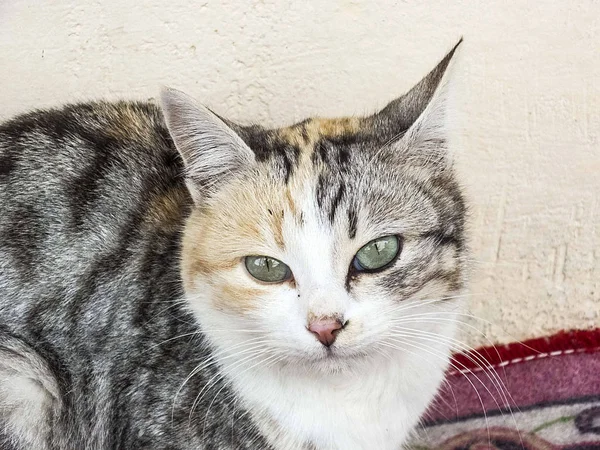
(529, 123)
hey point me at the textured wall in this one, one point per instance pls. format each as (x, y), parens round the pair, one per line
(529, 127)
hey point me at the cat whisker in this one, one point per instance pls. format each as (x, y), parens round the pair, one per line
(444, 358)
(402, 306)
(467, 350)
(152, 347)
(164, 310)
(418, 318)
(440, 301)
(435, 319)
(473, 317)
(228, 382)
(221, 375)
(213, 359)
(230, 331)
(495, 380)
(436, 302)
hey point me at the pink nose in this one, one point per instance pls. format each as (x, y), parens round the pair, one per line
(325, 330)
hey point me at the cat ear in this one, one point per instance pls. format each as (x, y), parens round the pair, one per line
(211, 151)
(419, 120)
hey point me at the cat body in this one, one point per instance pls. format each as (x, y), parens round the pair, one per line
(129, 314)
(90, 280)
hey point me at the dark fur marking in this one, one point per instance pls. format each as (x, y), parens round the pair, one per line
(320, 191)
(7, 443)
(397, 281)
(84, 189)
(8, 162)
(304, 131)
(440, 237)
(268, 146)
(343, 156)
(336, 202)
(321, 152)
(346, 140)
(290, 160)
(334, 152)
(24, 235)
(352, 222)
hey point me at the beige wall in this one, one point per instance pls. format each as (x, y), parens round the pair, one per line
(529, 127)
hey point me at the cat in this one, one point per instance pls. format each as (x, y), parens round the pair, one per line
(170, 279)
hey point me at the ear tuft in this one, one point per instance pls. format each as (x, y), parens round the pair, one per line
(212, 152)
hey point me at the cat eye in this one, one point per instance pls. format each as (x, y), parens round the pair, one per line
(377, 254)
(267, 269)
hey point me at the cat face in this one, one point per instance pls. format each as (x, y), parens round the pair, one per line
(309, 244)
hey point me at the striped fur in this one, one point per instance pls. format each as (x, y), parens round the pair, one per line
(127, 319)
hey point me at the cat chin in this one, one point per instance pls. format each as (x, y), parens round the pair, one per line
(339, 365)
(329, 361)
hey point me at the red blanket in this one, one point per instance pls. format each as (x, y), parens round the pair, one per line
(539, 394)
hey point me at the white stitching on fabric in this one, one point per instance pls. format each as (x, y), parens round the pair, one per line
(525, 359)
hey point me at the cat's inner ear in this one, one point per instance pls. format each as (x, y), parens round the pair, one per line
(417, 123)
(212, 152)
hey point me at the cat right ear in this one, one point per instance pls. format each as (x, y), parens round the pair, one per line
(211, 151)
(418, 123)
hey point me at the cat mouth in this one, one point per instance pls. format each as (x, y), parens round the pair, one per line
(334, 360)
(342, 355)
(331, 354)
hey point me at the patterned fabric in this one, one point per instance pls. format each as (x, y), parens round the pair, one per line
(542, 394)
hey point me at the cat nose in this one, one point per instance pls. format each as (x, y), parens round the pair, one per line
(325, 329)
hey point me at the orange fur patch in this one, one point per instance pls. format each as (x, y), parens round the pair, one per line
(338, 127)
(203, 259)
(277, 227)
(166, 210)
(290, 201)
(307, 133)
(214, 243)
(126, 122)
(230, 297)
(197, 258)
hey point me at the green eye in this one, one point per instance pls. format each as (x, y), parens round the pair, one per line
(269, 270)
(377, 254)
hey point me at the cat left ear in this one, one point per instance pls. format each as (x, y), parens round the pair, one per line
(211, 151)
(418, 122)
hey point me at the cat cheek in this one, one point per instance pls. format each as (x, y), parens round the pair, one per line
(237, 299)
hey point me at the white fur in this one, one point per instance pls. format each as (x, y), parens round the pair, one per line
(29, 395)
(363, 400)
(375, 406)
